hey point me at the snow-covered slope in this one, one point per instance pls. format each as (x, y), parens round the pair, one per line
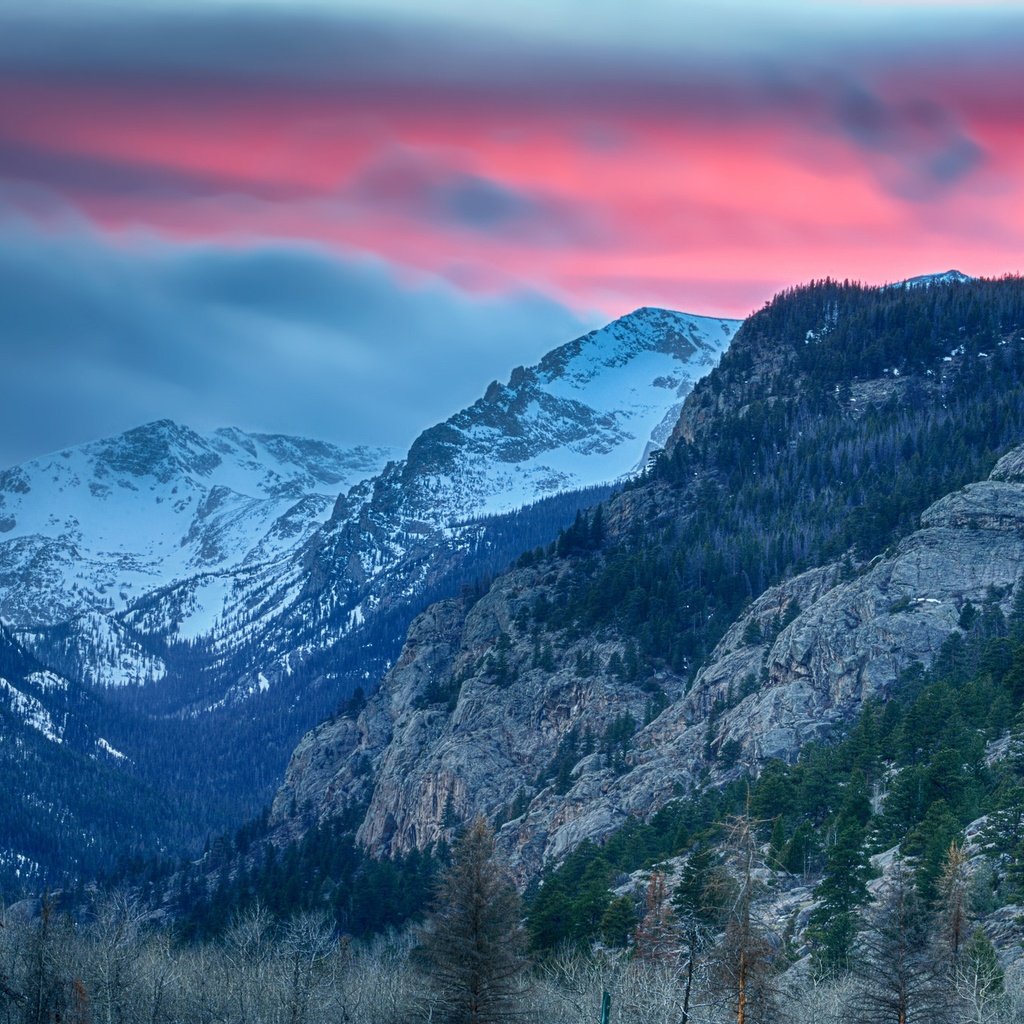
(90, 529)
(186, 536)
(225, 591)
(589, 412)
(926, 280)
(69, 798)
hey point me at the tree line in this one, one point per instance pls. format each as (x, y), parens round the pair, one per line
(704, 956)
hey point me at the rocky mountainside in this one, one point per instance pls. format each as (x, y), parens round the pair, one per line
(450, 731)
(224, 592)
(792, 555)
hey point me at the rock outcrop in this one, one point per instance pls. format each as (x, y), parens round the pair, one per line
(478, 711)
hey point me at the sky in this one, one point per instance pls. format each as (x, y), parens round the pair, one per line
(344, 218)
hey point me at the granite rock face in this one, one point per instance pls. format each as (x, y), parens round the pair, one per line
(475, 713)
(471, 719)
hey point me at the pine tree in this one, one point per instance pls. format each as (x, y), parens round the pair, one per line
(618, 922)
(698, 902)
(473, 941)
(844, 888)
(894, 964)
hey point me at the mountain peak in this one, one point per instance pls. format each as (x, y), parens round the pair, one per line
(161, 448)
(589, 412)
(944, 277)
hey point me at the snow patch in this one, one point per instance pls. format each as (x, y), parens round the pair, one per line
(32, 712)
(108, 749)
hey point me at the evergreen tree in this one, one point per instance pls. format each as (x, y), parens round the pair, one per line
(473, 940)
(897, 981)
(834, 922)
(618, 922)
(699, 903)
(844, 889)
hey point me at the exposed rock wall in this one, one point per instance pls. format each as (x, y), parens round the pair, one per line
(449, 735)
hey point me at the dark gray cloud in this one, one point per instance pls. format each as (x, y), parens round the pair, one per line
(917, 148)
(419, 185)
(888, 82)
(98, 337)
(83, 173)
(649, 48)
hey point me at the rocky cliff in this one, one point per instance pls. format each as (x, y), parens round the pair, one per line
(828, 407)
(474, 716)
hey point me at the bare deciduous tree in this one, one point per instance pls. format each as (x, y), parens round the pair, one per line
(744, 958)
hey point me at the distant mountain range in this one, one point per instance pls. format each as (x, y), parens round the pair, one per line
(215, 595)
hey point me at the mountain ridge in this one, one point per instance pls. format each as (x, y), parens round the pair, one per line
(563, 677)
(270, 584)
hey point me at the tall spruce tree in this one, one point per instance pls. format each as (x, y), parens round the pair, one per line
(897, 978)
(844, 889)
(473, 940)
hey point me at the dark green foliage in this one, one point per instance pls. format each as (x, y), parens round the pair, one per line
(793, 473)
(516, 809)
(801, 851)
(928, 742)
(898, 978)
(442, 690)
(325, 872)
(496, 666)
(702, 892)
(563, 907)
(473, 939)
(618, 922)
(752, 633)
(843, 890)
(570, 749)
(616, 741)
(584, 535)
(984, 973)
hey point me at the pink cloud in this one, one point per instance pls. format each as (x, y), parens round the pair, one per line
(674, 193)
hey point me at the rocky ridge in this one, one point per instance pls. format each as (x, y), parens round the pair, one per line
(223, 592)
(443, 739)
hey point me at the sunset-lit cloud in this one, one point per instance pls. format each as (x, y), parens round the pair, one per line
(601, 155)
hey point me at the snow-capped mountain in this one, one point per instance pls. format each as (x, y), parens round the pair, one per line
(188, 537)
(89, 530)
(223, 592)
(587, 414)
(926, 280)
